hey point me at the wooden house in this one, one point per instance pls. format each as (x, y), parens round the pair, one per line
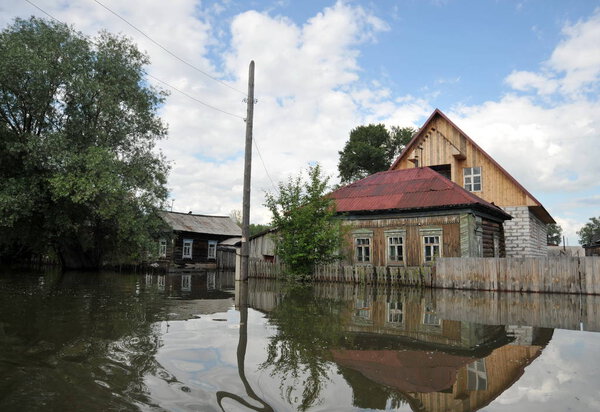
(444, 147)
(411, 217)
(593, 248)
(194, 239)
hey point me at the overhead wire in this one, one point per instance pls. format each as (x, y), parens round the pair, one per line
(154, 77)
(175, 88)
(169, 51)
(264, 165)
(193, 98)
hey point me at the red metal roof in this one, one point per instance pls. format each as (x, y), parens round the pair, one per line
(407, 189)
(538, 210)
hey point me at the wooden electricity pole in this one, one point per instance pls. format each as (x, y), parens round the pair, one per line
(247, 172)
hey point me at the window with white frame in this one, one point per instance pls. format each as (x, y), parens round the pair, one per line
(476, 376)
(186, 283)
(395, 313)
(430, 317)
(187, 248)
(472, 178)
(212, 249)
(162, 248)
(431, 243)
(362, 309)
(395, 247)
(363, 249)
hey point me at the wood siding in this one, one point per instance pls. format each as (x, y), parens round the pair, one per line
(413, 240)
(492, 231)
(199, 248)
(443, 144)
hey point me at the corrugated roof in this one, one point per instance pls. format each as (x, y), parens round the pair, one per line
(214, 225)
(407, 189)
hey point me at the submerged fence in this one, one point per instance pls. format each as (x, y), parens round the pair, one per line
(411, 276)
(549, 274)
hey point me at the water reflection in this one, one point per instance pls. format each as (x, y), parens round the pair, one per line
(392, 348)
(193, 342)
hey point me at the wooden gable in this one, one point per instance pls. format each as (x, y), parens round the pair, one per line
(441, 144)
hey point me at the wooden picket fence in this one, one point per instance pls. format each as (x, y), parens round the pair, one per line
(579, 275)
(548, 274)
(413, 276)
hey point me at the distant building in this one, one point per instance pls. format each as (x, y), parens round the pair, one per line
(194, 239)
(444, 147)
(593, 248)
(411, 217)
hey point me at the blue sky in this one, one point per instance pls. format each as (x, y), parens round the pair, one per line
(520, 77)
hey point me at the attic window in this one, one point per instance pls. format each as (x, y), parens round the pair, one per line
(472, 178)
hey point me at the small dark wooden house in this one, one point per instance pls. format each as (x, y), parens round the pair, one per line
(593, 248)
(409, 217)
(194, 240)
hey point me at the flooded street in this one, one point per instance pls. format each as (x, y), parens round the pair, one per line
(95, 342)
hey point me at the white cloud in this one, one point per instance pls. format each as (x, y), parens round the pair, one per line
(550, 145)
(310, 95)
(573, 69)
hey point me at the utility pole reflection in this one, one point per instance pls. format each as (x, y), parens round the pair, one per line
(241, 300)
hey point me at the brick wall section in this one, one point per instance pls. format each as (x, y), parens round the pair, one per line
(525, 234)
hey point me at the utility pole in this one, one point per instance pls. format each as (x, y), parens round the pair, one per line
(247, 173)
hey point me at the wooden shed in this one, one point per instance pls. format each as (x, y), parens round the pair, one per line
(411, 217)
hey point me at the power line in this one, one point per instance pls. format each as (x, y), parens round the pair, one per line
(263, 163)
(193, 98)
(168, 51)
(44, 11)
(149, 75)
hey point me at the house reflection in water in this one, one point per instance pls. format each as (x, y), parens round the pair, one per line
(399, 351)
(438, 365)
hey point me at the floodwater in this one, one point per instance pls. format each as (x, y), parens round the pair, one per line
(96, 342)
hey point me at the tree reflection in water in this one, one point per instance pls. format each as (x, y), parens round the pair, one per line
(390, 347)
(307, 328)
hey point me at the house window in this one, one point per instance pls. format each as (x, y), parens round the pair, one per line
(395, 248)
(363, 249)
(430, 317)
(362, 311)
(212, 249)
(395, 313)
(162, 248)
(186, 283)
(472, 178)
(431, 248)
(476, 376)
(187, 248)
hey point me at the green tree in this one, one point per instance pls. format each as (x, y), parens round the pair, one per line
(255, 228)
(554, 234)
(371, 149)
(78, 124)
(307, 234)
(589, 231)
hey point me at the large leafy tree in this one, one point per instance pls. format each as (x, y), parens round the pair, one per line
(590, 231)
(78, 172)
(554, 234)
(371, 149)
(307, 234)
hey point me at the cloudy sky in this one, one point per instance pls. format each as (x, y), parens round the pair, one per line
(520, 77)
